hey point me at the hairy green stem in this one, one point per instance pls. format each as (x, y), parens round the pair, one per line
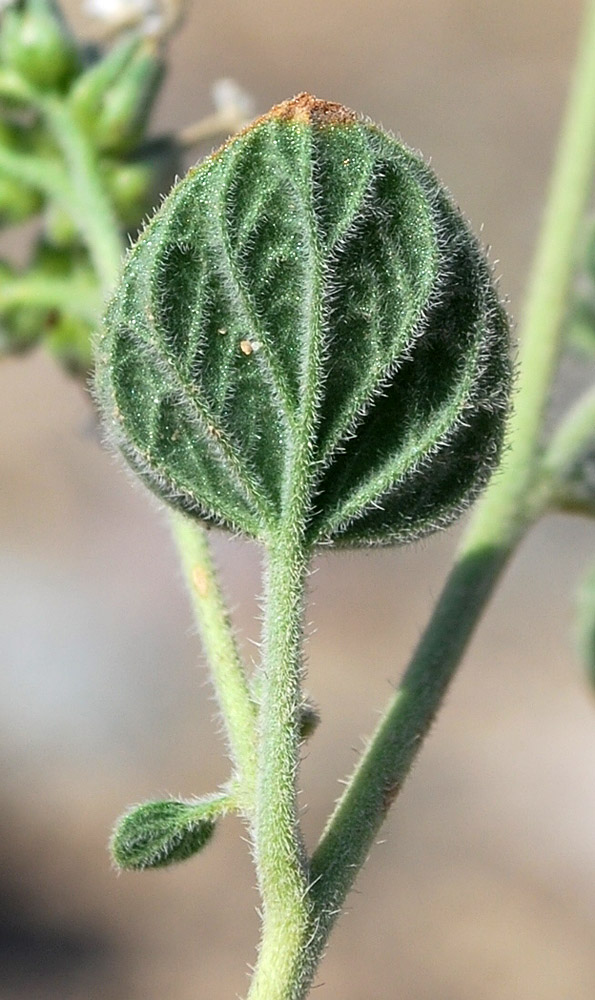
(280, 856)
(281, 859)
(227, 671)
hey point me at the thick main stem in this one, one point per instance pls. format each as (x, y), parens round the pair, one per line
(280, 856)
(281, 859)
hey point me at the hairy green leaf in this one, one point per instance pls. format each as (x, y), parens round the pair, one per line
(156, 834)
(309, 306)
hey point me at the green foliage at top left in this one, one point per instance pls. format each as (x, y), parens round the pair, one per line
(103, 98)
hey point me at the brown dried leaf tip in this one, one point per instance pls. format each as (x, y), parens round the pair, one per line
(308, 110)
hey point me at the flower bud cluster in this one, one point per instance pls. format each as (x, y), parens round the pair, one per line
(108, 96)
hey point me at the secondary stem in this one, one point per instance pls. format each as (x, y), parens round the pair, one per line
(227, 671)
(502, 518)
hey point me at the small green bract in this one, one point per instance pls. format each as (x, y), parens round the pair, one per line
(309, 305)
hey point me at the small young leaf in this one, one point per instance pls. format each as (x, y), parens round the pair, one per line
(308, 306)
(156, 834)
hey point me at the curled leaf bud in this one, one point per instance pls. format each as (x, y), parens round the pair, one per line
(35, 41)
(157, 834)
(309, 307)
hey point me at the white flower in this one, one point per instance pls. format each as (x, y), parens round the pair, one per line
(232, 101)
(233, 110)
(150, 15)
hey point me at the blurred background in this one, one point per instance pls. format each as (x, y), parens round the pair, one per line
(484, 885)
